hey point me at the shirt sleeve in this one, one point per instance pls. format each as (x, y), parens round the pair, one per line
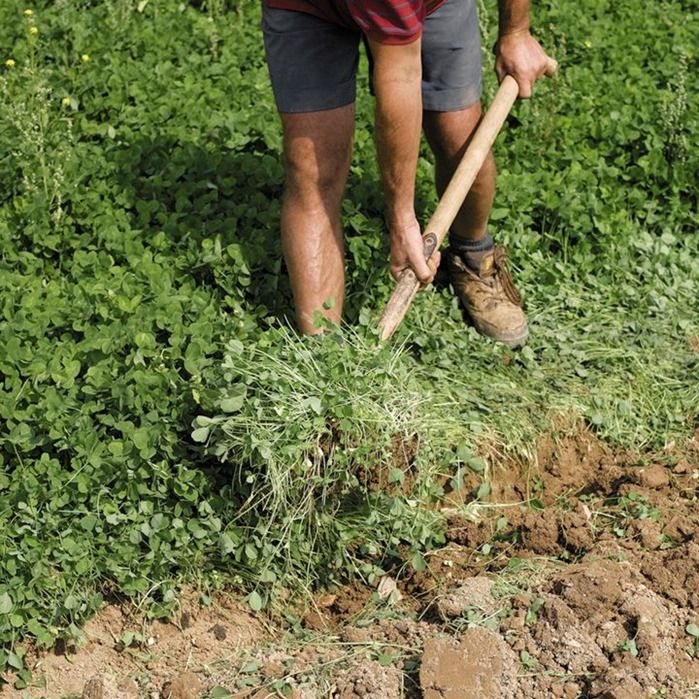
(389, 21)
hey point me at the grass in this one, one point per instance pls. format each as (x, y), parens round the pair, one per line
(163, 422)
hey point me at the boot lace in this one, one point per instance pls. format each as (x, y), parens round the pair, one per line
(500, 269)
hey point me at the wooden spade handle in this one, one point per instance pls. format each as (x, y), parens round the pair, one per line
(451, 200)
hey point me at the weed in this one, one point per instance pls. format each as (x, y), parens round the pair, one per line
(619, 512)
(692, 630)
(528, 661)
(141, 289)
(674, 114)
(628, 646)
(311, 435)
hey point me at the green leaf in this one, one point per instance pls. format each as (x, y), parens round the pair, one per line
(5, 603)
(268, 576)
(219, 692)
(483, 491)
(396, 476)
(82, 566)
(536, 504)
(315, 404)
(418, 562)
(499, 213)
(88, 522)
(477, 464)
(14, 660)
(514, 564)
(692, 630)
(140, 439)
(201, 434)
(527, 659)
(227, 545)
(235, 347)
(251, 667)
(24, 677)
(251, 552)
(255, 601)
(232, 404)
(462, 452)
(386, 659)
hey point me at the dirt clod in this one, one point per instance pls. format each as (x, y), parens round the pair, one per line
(568, 643)
(539, 532)
(94, 689)
(480, 664)
(186, 686)
(219, 632)
(617, 686)
(655, 476)
(369, 680)
(470, 593)
(128, 689)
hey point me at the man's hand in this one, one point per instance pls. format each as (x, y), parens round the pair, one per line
(517, 52)
(407, 252)
(520, 55)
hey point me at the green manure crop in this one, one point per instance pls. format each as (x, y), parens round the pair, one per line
(161, 422)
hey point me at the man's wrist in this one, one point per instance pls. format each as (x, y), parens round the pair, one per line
(513, 17)
(400, 219)
(514, 32)
(513, 36)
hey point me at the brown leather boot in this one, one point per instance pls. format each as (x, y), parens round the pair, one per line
(490, 297)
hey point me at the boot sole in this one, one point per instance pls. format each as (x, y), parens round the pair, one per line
(514, 339)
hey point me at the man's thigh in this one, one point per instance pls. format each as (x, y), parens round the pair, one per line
(312, 63)
(451, 57)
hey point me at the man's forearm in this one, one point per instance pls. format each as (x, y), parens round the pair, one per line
(398, 88)
(397, 84)
(513, 16)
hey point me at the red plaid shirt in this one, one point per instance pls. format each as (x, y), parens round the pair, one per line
(385, 21)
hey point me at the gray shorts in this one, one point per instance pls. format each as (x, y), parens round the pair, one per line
(313, 63)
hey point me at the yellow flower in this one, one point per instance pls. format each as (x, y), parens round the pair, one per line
(587, 43)
(85, 58)
(9, 63)
(33, 31)
(28, 13)
(66, 101)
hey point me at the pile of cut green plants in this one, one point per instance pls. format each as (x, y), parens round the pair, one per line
(312, 426)
(162, 422)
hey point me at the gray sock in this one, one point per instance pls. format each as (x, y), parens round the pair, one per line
(471, 252)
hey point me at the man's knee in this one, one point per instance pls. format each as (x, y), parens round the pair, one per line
(317, 152)
(448, 133)
(309, 175)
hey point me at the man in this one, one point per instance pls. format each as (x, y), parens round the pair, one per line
(426, 60)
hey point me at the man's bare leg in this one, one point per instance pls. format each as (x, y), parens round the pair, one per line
(476, 266)
(448, 134)
(317, 153)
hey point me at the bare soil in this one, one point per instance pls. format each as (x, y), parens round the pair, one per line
(580, 581)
